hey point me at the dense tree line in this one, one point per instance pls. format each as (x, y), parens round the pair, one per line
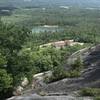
(78, 23)
(45, 37)
(11, 40)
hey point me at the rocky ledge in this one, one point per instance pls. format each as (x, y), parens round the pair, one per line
(37, 97)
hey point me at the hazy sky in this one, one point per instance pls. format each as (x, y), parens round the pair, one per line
(55, 2)
(28, 0)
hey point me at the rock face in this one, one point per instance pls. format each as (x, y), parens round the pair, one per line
(25, 82)
(90, 75)
(36, 97)
(19, 89)
(61, 44)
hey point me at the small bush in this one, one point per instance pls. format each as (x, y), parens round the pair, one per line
(90, 92)
(97, 98)
(61, 74)
(58, 73)
(74, 73)
(46, 79)
(42, 93)
(54, 78)
(78, 64)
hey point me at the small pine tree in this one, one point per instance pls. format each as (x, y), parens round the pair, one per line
(78, 64)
